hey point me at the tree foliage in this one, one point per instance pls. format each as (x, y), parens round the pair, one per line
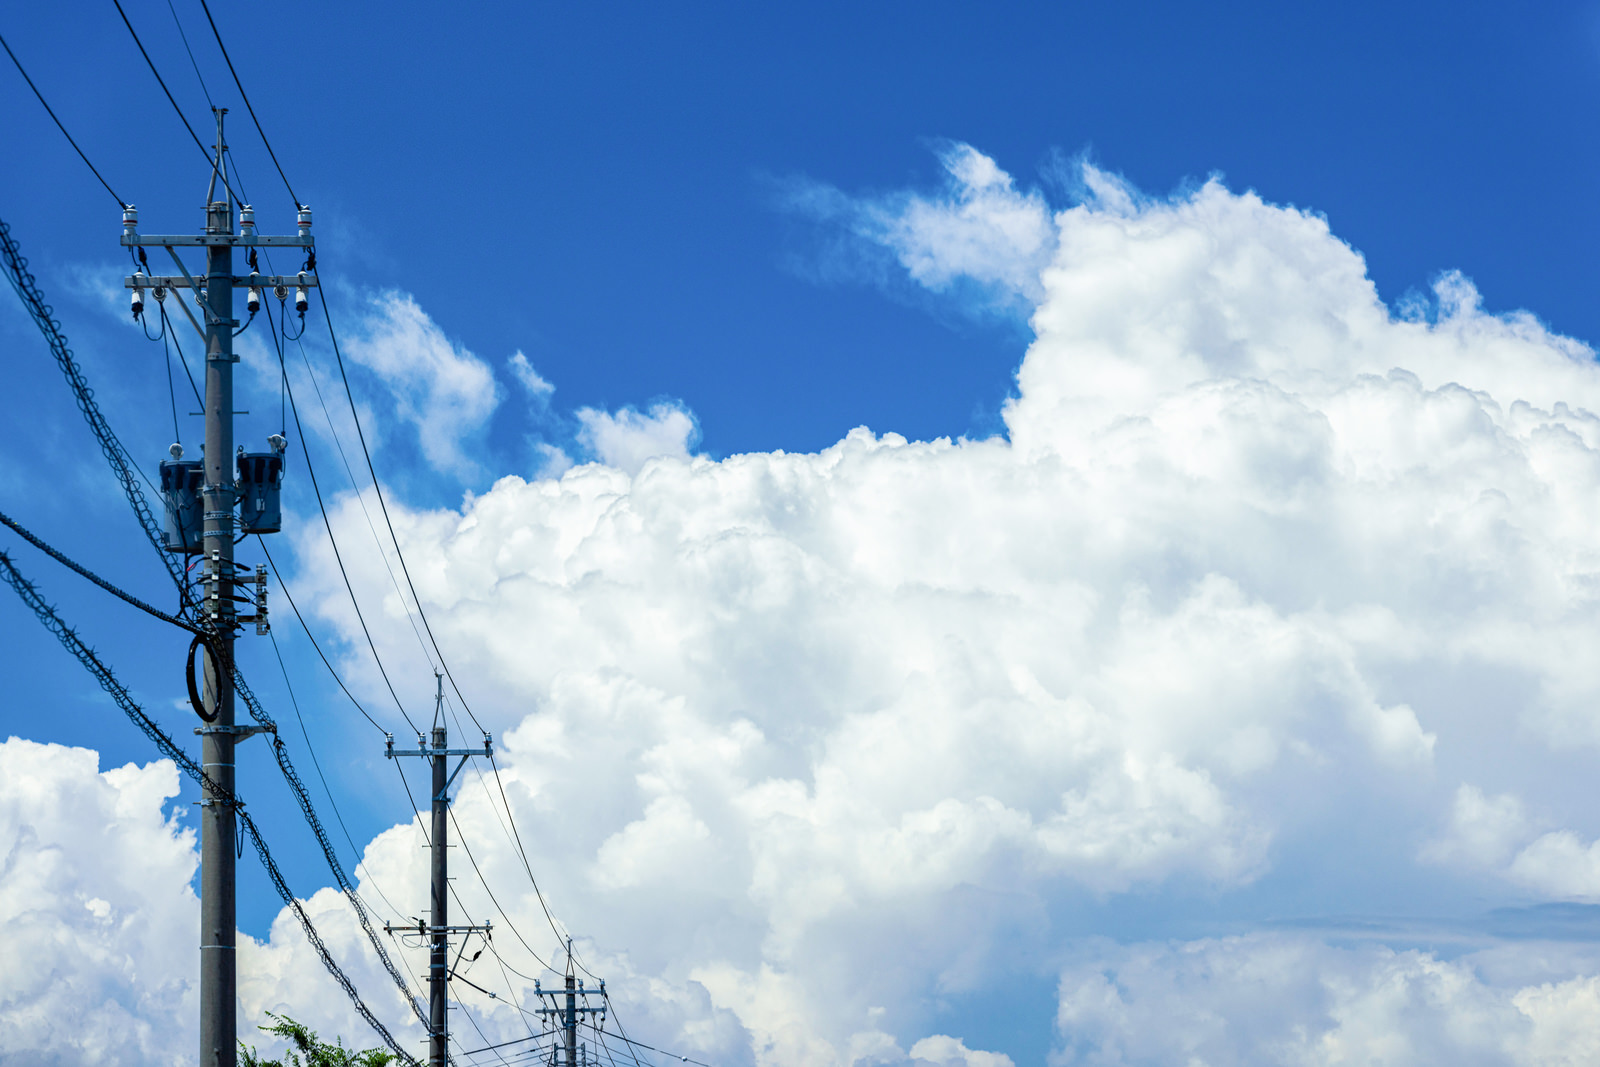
(307, 1050)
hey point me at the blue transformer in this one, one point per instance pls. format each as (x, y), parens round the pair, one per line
(181, 480)
(260, 491)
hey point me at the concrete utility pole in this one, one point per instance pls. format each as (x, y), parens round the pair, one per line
(211, 530)
(219, 1025)
(438, 928)
(565, 1007)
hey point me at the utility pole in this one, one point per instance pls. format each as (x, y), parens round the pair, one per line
(438, 928)
(565, 1006)
(204, 523)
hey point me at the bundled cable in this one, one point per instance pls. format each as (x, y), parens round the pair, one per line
(15, 267)
(69, 639)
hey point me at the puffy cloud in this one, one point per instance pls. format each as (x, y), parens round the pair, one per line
(627, 439)
(95, 909)
(980, 238)
(1484, 831)
(1263, 581)
(1208, 606)
(444, 392)
(1297, 1000)
(531, 380)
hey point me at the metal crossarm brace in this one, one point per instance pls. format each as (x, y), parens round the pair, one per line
(238, 730)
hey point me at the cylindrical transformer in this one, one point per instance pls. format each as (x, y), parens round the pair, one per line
(181, 480)
(260, 492)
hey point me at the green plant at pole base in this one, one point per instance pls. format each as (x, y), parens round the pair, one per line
(306, 1050)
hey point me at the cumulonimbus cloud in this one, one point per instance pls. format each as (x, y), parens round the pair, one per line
(1263, 585)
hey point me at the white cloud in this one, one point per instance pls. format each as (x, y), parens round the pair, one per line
(1484, 831)
(979, 232)
(530, 379)
(628, 438)
(1296, 1000)
(441, 390)
(95, 910)
(1561, 865)
(953, 1052)
(1260, 576)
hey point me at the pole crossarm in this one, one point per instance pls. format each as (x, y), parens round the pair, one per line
(420, 927)
(236, 240)
(240, 281)
(486, 750)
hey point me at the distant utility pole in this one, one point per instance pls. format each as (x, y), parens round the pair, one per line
(200, 498)
(438, 928)
(565, 1007)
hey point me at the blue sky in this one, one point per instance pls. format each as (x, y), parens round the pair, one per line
(716, 213)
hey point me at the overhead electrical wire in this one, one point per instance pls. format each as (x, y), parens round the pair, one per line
(246, 98)
(284, 587)
(378, 490)
(201, 77)
(217, 164)
(360, 497)
(59, 557)
(339, 558)
(51, 112)
(316, 763)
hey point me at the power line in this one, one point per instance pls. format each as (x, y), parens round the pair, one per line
(366, 512)
(181, 116)
(202, 78)
(285, 587)
(338, 558)
(61, 558)
(461, 839)
(316, 763)
(246, 98)
(120, 202)
(378, 489)
(640, 1044)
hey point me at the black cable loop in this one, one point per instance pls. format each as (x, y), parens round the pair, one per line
(144, 323)
(195, 702)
